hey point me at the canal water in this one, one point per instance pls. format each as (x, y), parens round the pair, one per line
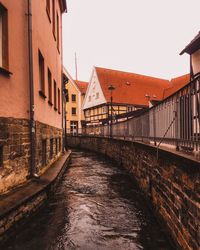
(96, 206)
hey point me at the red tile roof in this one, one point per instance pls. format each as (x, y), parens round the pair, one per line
(176, 84)
(131, 88)
(82, 86)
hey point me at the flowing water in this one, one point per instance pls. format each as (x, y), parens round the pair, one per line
(96, 206)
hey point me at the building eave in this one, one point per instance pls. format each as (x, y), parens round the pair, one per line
(63, 5)
(193, 46)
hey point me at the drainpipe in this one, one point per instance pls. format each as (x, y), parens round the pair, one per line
(31, 90)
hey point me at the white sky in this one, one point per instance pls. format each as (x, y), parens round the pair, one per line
(140, 36)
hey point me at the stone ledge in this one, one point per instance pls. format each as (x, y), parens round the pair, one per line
(190, 159)
(25, 193)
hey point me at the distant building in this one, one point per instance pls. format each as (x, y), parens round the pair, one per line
(31, 122)
(133, 92)
(75, 119)
(193, 49)
(191, 97)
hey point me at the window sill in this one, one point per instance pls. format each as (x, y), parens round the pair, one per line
(41, 93)
(55, 109)
(5, 72)
(50, 103)
(48, 14)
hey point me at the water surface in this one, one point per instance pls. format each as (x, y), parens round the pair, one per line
(96, 206)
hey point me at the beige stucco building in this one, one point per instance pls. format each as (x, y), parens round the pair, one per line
(31, 124)
(75, 119)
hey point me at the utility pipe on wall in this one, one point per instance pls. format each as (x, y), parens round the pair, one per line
(31, 91)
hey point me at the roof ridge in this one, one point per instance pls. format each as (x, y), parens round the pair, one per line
(132, 73)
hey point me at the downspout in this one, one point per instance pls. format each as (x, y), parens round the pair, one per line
(32, 170)
(62, 96)
(191, 69)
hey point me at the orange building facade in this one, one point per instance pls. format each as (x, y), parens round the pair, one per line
(31, 103)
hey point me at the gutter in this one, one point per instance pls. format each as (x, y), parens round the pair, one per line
(32, 171)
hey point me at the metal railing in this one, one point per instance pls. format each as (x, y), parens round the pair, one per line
(174, 122)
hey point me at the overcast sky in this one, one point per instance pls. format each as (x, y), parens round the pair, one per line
(140, 36)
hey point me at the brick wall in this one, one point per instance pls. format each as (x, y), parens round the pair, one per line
(15, 150)
(171, 183)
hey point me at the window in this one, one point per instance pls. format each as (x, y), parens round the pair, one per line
(87, 112)
(48, 9)
(50, 87)
(73, 98)
(97, 95)
(104, 110)
(3, 37)
(73, 127)
(41, 74)
(58, 32)
(55, 95)
(129, 109)
(44, 151)
(58, 100)
(54, 21)
(51, 148)
(56, 146)
(59, 144)
(73, 111)
(1, 156)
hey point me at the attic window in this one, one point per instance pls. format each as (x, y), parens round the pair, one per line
(97, 95)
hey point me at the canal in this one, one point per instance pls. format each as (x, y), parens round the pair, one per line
(96, 206)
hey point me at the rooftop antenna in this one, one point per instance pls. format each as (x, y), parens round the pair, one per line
(76, 68)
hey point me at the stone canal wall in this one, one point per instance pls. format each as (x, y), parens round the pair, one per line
(18, 206)
(170, 182)
(15, 150)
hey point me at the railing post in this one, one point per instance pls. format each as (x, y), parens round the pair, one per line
(177, 113)
(154, 126)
